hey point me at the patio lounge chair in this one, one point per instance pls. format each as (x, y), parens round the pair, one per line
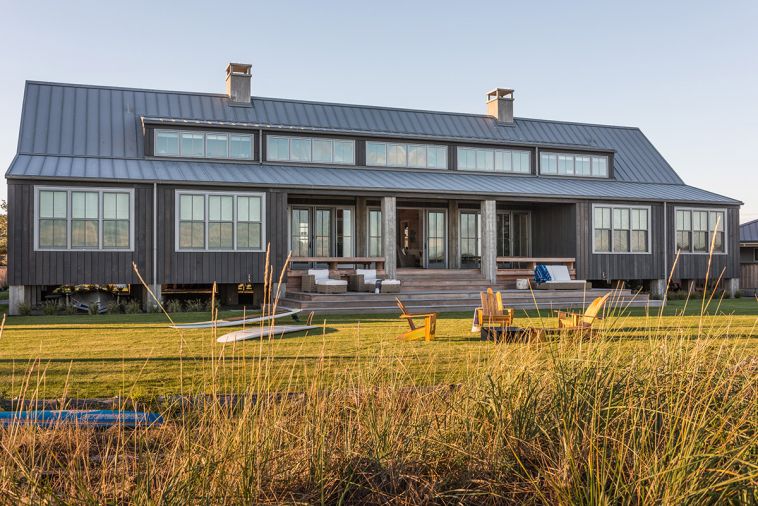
(366, 280)
(491, 317)
(427, 331)
(318, 280)
(568, 320)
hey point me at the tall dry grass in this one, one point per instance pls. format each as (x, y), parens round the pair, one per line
(570, 421)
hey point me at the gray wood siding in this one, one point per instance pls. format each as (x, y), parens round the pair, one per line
(29, 267)
(695, 266)
(222, 267)
(554, 231)
(618, 266)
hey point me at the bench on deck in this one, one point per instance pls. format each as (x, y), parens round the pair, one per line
(509, 269)
(339, 267)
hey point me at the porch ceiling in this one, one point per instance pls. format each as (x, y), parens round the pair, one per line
(350, 178)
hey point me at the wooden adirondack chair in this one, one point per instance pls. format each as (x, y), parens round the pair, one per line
(426, 331)
(583, 321)
(492, 315)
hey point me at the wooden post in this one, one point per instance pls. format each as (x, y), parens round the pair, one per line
(389, 235)
(489, 240)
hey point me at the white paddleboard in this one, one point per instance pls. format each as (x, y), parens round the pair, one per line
(275, 331)
(234, 323)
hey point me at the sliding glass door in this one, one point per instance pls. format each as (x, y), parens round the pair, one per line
(513, 234)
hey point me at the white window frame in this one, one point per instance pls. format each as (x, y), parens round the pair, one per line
(490, 153)
(289, 138)
(630, 208)
(478, 215)
(708, 210)
(205, 134)
(100, 191)
(573, 156)
(206, 194)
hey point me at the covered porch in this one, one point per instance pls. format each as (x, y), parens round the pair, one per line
(494, 242)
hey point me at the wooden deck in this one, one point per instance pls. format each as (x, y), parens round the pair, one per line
(446, 290)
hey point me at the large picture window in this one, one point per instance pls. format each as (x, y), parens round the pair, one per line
(571, 164)
(197, 144)
(220, 221)
(620, 229)
(310, 150)
(494, 160)
(421, 156)
(83, 218)
(696, 228)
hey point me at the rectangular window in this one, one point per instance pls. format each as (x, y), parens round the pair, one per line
(420, 156)
(309, 150)
(217, 145)
(249, 223)
(241, 146)
(197, 144)
(83, 218)
(621, 229)
(219, 221)
(116, 220)
(697, 228)
(166, 143)
(193, 144)
(569, 164)
(344, 232)
(494, 160)
(375, 247)
(53, 216)
(192, 221)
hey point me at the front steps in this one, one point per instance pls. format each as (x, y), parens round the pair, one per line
(454, 300)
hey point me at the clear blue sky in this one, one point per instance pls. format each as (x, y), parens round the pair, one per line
(685, 72)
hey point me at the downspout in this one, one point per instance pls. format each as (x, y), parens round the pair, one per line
(665, 252)
(155, 233)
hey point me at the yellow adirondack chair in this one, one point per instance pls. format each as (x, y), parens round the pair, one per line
(492, 314)
(583, 321)
(425, 331)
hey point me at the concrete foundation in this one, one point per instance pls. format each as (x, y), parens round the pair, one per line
(732, 287)
(17, 295)
(149, 303)
(657, 289)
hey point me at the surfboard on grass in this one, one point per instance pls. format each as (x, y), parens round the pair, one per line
(84, 417)
(264, 331)
(234, 322)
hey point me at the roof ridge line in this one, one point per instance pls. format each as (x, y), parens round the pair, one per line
(323, 102)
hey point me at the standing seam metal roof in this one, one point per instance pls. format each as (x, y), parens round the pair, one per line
(749, 231)
(79, 120)
(349, 178)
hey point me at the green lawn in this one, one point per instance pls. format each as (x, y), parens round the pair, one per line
(139, 355)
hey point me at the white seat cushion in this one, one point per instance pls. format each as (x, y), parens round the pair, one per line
(558, 273)
(319, 274)
(390, 281)
(331, 282)
(369, 275)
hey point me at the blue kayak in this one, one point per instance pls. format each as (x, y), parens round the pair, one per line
(86, 417)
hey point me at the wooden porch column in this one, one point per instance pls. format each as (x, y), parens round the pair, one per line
(489, 240)
(361, 227)
(389, 235)
(454, 255)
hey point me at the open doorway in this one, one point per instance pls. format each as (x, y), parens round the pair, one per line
(421, 238)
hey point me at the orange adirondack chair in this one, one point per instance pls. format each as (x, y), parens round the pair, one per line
(584, 321)
(492, 314)
(425, 331)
